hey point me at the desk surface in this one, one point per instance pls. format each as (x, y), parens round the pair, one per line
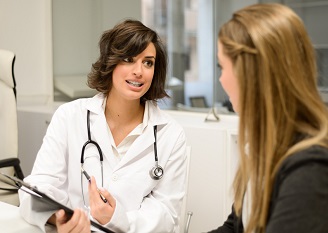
(12, 222)
(74, 86)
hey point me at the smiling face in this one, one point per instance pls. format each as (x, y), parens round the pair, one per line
(228, 79)
(133, 76)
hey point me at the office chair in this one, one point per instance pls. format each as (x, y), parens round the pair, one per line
(9, 161)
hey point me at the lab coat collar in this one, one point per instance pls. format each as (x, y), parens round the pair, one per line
(94, 104)
(156, 117)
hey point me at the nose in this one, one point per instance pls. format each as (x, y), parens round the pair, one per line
(137, 69)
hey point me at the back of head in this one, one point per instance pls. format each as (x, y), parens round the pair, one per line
(274, 62)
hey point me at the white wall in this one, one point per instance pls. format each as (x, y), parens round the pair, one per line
(78, 26)
(25, 28)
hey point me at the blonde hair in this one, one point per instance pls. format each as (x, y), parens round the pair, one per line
(274, 62)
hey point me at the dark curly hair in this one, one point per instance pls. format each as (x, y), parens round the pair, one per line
(128, 39)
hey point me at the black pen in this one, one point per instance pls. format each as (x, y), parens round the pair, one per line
(89, 179)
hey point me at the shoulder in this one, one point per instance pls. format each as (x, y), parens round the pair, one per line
(312, 155)
(160, 117)
(167, 125)
(80, 104)
(71, 109)
(300, 190)
(304, 171)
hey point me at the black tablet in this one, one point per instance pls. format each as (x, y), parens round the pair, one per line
(41, 201)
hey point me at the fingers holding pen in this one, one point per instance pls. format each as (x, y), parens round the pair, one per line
(102, 203)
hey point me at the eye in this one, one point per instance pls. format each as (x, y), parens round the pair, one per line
(128, 59)
(149, 63)
(219, 66)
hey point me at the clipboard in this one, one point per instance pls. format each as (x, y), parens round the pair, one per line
(42, 201)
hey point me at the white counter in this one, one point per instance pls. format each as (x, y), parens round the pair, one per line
(12, 222)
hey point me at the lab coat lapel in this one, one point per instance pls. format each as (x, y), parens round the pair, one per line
(146, 139)
(100, 131)
(138, 147)
(99, 128)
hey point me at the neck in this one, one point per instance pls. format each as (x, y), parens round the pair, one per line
(123, 112)
(122, 117)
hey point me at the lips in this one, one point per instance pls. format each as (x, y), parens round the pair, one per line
(135, 84)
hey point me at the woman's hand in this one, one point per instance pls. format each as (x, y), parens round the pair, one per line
(78, 223)
(100, 210)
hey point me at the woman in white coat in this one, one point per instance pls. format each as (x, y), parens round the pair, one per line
(143, 169)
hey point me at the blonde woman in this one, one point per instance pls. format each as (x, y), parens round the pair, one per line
(269, 72)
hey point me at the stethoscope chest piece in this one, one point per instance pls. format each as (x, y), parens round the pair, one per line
(156, 172)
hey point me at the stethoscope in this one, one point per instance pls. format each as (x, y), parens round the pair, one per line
(155, 172)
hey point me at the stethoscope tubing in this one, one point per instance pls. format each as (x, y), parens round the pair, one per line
(156, 172)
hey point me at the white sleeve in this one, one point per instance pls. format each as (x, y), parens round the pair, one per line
(49, 171)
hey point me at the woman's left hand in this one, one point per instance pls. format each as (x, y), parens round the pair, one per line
(78, 223)
(100, 210)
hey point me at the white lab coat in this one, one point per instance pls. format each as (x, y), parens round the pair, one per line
(143, 204)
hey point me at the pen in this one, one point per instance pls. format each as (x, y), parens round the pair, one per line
(89, 179)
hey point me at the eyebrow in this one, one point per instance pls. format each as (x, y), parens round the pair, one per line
(150, 57)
